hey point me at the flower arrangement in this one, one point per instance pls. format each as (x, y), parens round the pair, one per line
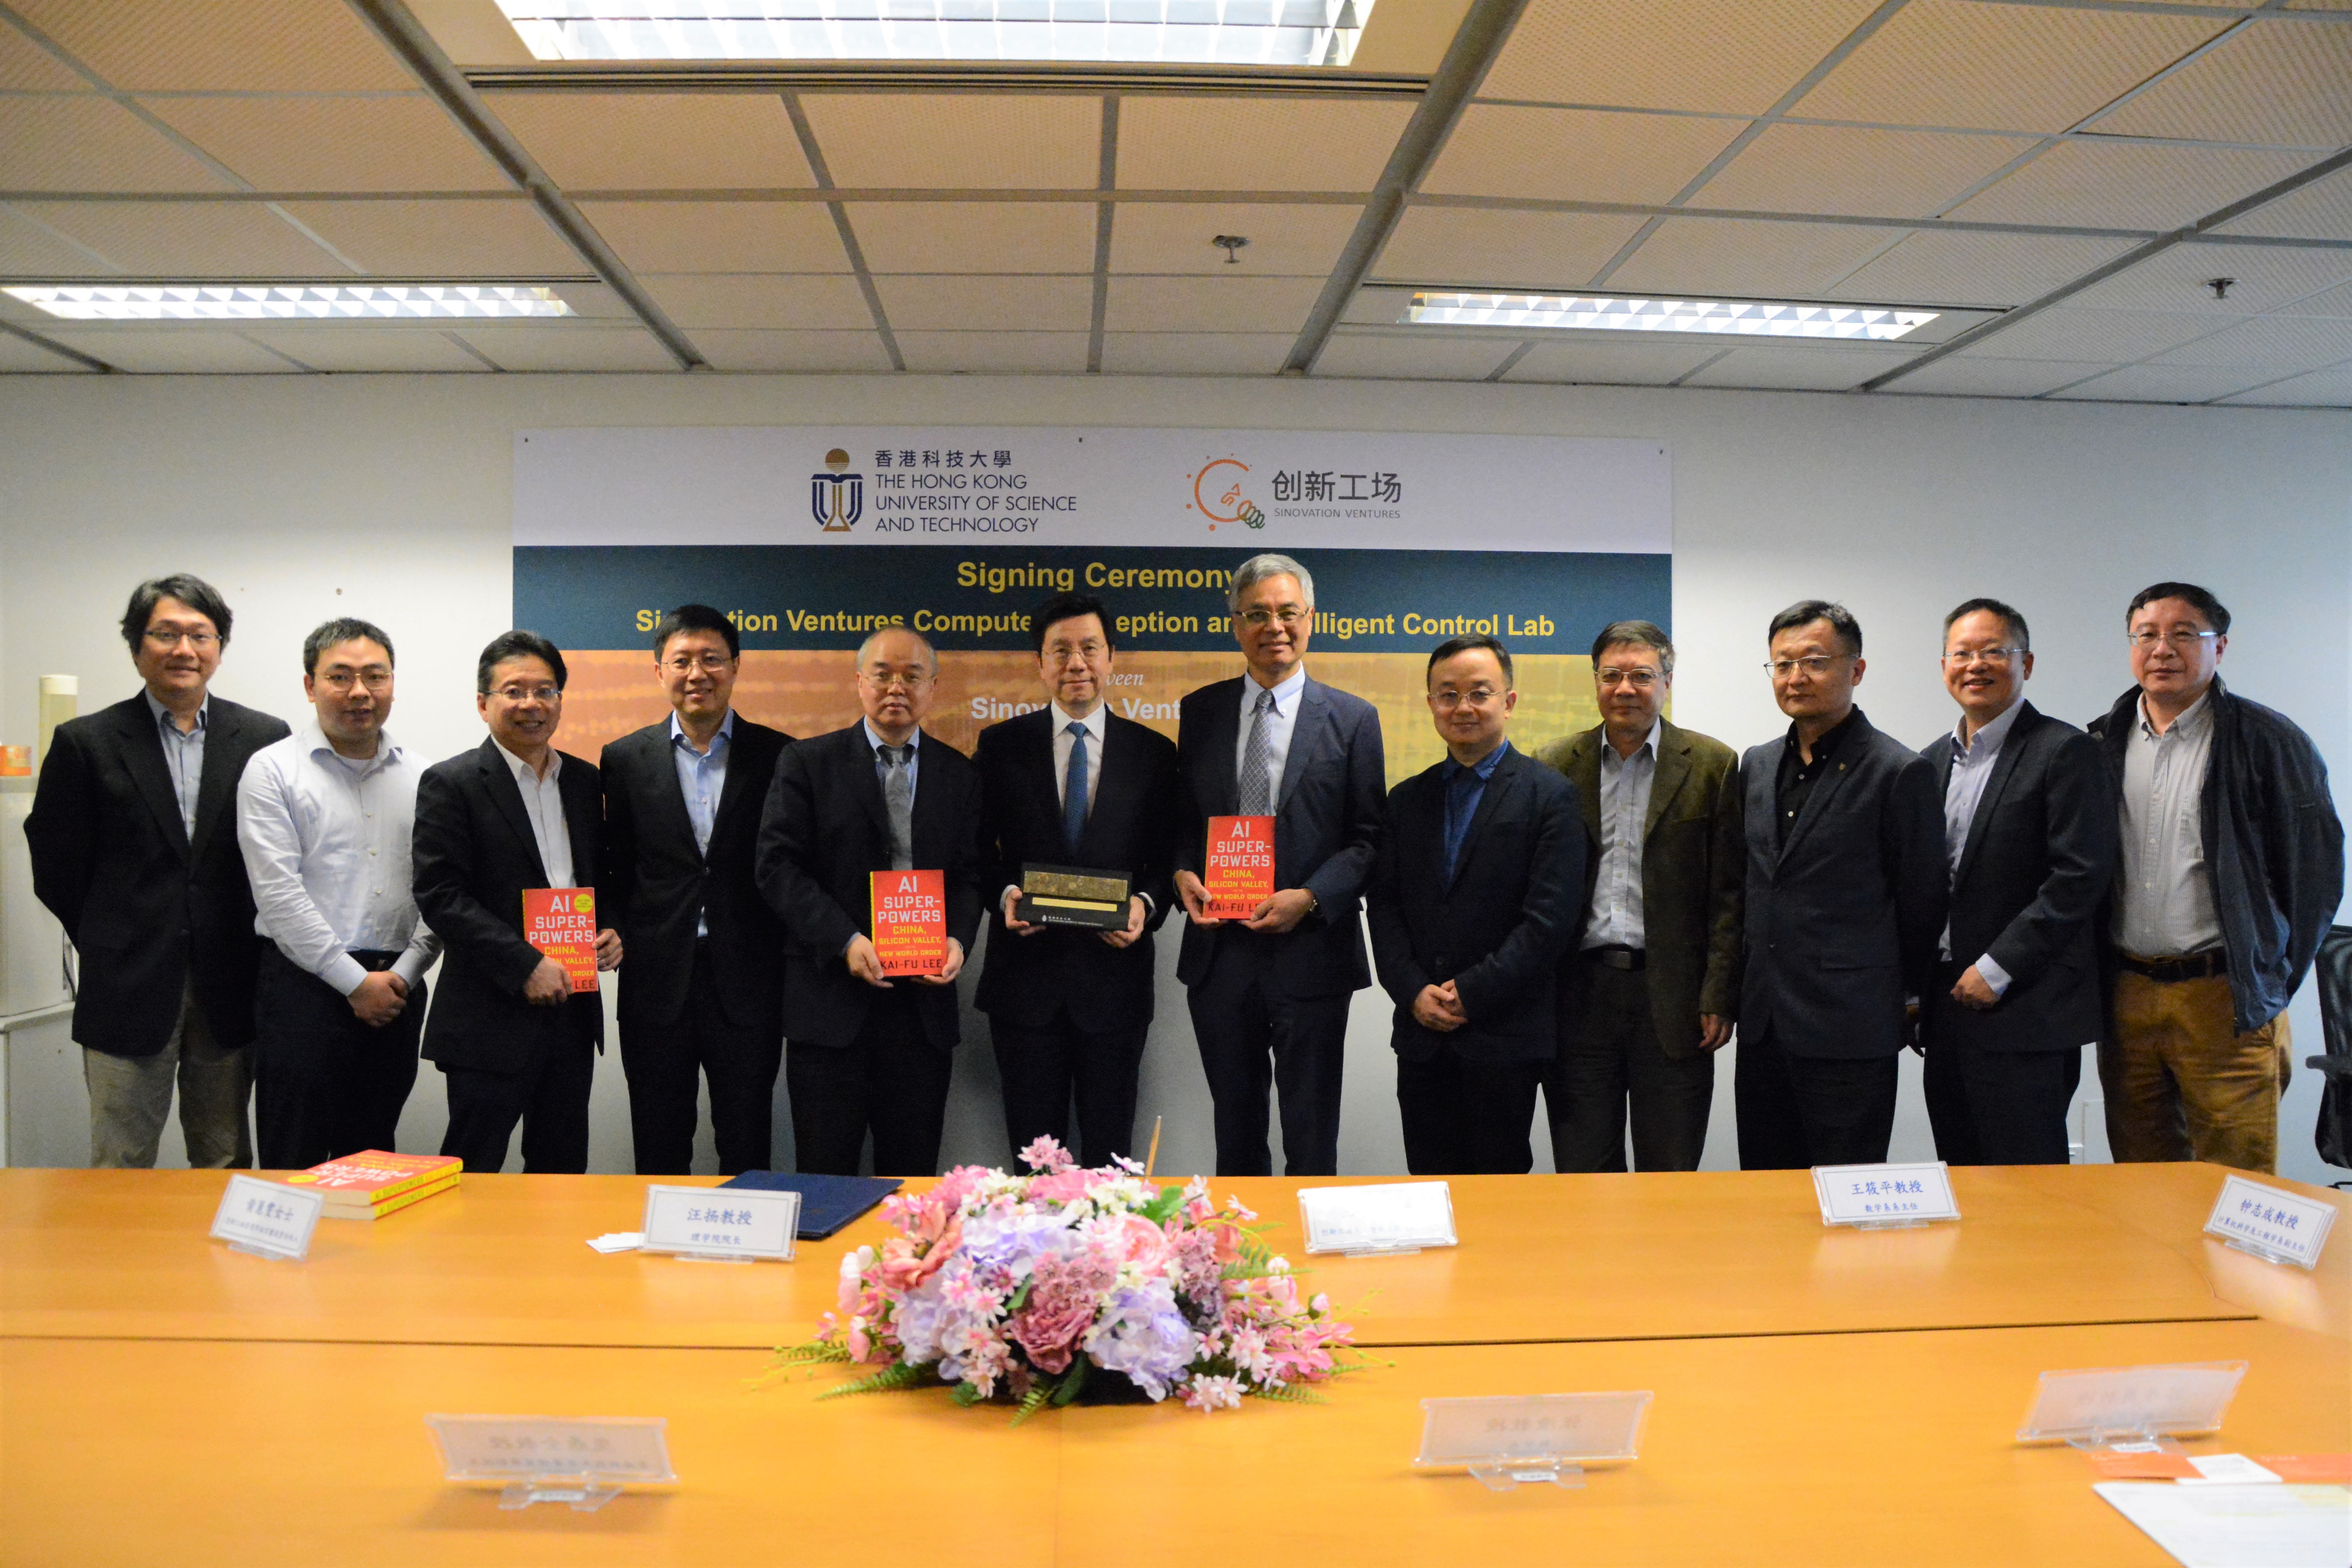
(1065, 1282)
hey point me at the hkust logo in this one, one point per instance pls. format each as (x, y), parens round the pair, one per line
(836, 499)
(1217, 494)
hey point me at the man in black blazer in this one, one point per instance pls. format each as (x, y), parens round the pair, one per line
(2030, 834)
(861, 1051)
(704, 993)
(1845, 898)
(1073, 784)
(514, 1043)
(1275, 986)
(1476, 892)
(134, 840)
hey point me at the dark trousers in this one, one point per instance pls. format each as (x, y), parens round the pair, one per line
(1796, 1112)
(1468, 1118)
(1250, 1041)
(549, 1097)
(1998, 1107)
(1040, 1066)
(1609, 1056)
(325, 1084)
(665, 1061)
(891, 1080)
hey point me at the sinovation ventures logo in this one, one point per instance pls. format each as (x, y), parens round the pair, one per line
(1217, 494)
(836, 499)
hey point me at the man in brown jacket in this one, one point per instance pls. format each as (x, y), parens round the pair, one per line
(1648, 993)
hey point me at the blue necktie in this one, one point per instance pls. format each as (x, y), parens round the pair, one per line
(1458, 790)
(1074, 791)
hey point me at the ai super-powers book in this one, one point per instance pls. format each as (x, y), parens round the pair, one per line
(910, 920)
(561, 922)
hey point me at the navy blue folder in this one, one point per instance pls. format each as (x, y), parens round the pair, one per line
(827, 1202)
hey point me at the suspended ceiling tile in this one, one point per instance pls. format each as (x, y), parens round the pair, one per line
(190, 239)
(1960, 266)
(367, 349)
(1501, 249)
(1434, 357)
(658, 141)
(18, 357)
(1798, 369)
(2275, 345)
(720, 237)
(177, 350)
(1735, 57)
(2267, 278)
(2000, 67)
(1611, 364)
(1958, 376)
(982, 303)
(2161, 384)
(1195, 353)
(2335, 302)
(1748, 257)
(2287, 83)
(1290, 239)
(89, 144)
(805, 302)
(405, 143)
(2321, 210)
(458, 238)
(1214, 143)
(554, 347)
(2128, 185)
(250, 45)
(2108, 336)
(2328, 389)
(1210, 304)
(957, 141)
(996, 352)
(975, 236)
(1849, 170)
(795, 352)
(1576, 155)
(25, 67)
(29, 249)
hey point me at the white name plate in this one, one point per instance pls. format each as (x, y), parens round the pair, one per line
(602, 1449)
(2100, 1404)
(2281, 1226)
(1873, 1195)
(1398, 1216)
(721, 1222)
(1533, 1437)
(268, 1219)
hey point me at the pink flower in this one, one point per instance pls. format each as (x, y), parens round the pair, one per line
(1069, 1186)
(902, 1269)
(1044, 1154)
(1063, 1301)
(1206, 1394)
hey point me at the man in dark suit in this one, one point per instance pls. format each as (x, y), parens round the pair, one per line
(2030, 836)
(1845, 897)
(514, 1043)
(1275, 986)
(704, 992)
(1073, 784)
(134, 840)
(1649, 993)
(1476, 893)
(863, 1052)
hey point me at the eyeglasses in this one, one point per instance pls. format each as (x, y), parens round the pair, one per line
(527, 694)
(1289, 616)
(1640, 680)
(1062, 653)
(1445, 699)
(345, 680)
(709, 664)
(1811, 663)
(164, 637)
(1960, 658)
(886, 680)
(2146, 637)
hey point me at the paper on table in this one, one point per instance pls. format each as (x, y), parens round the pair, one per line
(618, 1242)
(2227, 1469)
(2240, 1527)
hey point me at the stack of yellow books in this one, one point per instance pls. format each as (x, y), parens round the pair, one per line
(373, 1183)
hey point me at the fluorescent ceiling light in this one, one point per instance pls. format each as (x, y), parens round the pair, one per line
(1220, 32)
(291, 301)
(1736, 317)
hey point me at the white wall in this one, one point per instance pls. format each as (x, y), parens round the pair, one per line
(389, 497)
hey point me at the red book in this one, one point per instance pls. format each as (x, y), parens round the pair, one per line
(910, 920)
(561, 922)
(1238, 871)
(376, 1181)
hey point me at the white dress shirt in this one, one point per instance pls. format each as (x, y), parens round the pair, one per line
(1626, 782)
(542, 802)
(325, 844)
(1279, 723)
(1973, 756)
(2164, 903)
(184, 756)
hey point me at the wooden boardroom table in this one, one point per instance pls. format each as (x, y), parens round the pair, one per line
(1822, 1397)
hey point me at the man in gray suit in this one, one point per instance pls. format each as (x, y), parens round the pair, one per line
(1846, 893)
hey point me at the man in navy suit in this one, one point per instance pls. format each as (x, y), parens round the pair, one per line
(1846, 891)
(1269, 994)
(1074, 784)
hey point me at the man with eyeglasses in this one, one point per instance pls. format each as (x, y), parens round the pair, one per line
(1268, 994)
(2232, 867)
(865, 1052)
(1475, 895)
(133, 841)
(703, 994)
(325, 818)
(1846, 893)
(1649, 991)
(514, 1043)
(2030, 839)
